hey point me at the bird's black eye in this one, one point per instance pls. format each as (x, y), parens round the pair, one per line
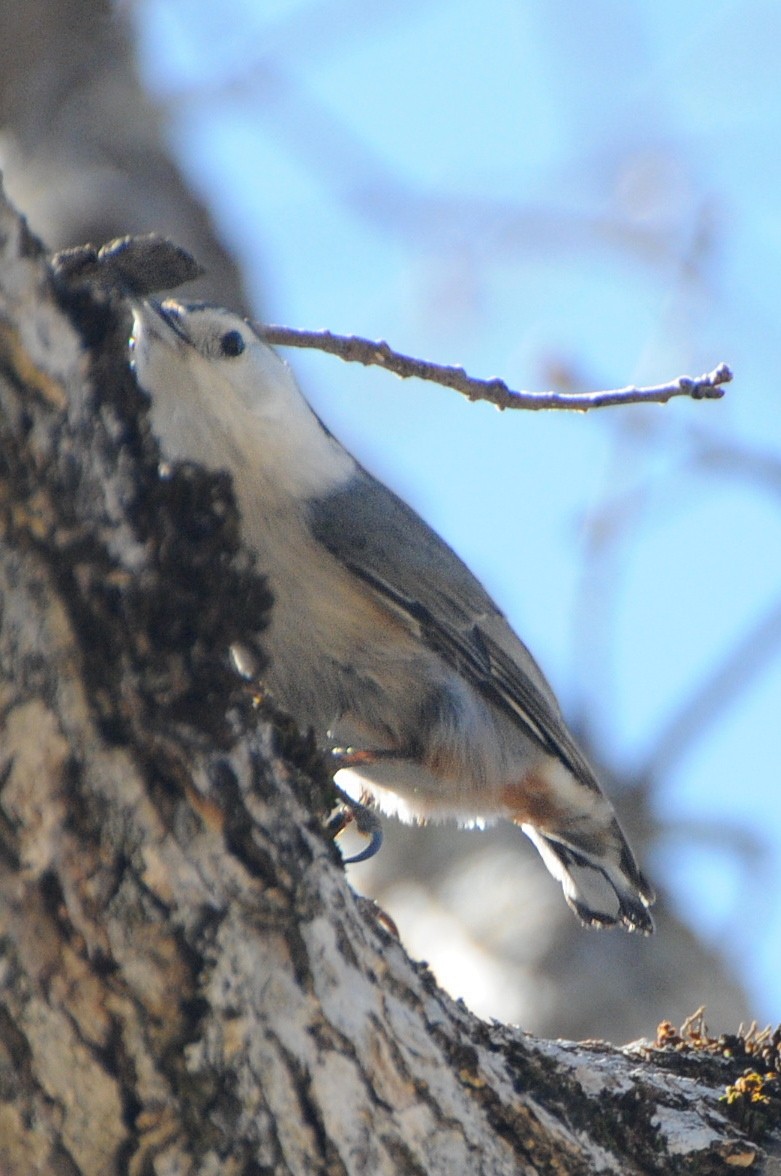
(232, 344)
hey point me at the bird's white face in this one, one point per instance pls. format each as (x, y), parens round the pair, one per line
(221, 396)
(211, 349)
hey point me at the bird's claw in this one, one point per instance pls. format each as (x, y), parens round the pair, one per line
(366, 821)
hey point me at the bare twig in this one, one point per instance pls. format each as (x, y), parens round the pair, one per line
(353, 349)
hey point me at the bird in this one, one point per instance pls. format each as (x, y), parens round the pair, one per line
(381, 640)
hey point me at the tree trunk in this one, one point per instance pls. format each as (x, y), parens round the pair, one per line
(83, 146)
(188, 983)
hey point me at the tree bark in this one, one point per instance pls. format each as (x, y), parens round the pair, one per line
(189, 984)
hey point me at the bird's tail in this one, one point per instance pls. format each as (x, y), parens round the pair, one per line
(603, 885)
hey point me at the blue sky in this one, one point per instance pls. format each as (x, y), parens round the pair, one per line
(535, 188)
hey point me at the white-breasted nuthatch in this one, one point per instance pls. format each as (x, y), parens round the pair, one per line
(380, 638)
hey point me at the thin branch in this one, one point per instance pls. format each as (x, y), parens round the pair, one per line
(353, 349)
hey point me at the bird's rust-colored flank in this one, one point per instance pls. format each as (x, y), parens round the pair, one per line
(532, 800)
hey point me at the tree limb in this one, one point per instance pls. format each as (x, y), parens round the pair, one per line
(353, 349)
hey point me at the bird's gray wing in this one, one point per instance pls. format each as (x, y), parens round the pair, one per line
(414, 572)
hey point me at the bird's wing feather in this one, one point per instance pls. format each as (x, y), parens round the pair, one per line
(414, 572)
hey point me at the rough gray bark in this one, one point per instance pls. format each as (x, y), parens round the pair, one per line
(188, 983)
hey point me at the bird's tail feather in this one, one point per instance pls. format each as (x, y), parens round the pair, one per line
(602, 888)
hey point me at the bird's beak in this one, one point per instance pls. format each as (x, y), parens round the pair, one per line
(161, 320)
